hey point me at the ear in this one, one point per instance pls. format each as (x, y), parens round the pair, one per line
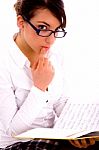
(20, 22)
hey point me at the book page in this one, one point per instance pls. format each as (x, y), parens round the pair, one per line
(47, 133)
(81, 117)
(52, 133)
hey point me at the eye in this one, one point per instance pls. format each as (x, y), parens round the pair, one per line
(42, 27)
(59, 29)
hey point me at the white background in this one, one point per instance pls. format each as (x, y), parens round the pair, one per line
(80, 47)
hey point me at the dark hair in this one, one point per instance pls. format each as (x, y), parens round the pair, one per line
(28, 8)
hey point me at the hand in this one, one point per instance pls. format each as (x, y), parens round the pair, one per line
(42, 72)
(83, 143)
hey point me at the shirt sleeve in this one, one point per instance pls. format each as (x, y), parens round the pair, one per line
(15, 120)
(29, 111)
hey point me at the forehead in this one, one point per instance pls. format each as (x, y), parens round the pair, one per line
(45, 15)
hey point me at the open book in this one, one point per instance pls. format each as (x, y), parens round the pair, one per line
(82, 117)
(76, 121)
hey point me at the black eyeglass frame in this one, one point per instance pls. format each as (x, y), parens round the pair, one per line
(38, 30)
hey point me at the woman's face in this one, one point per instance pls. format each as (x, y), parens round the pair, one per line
(43, 19)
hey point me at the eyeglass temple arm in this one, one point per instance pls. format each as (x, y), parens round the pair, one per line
(30, 23)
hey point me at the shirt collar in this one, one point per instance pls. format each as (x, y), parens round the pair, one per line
(19, 58)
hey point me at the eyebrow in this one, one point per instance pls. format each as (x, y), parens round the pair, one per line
(44, 23)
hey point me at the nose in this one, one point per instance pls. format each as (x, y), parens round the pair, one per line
(50, 39)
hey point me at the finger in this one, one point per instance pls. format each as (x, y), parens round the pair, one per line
(42, 51)
(75, 143)
(34, 65)
(84, 143)
(46, 61)
(92, 141)
(40, 63)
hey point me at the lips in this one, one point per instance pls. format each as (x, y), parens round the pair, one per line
(46, 48)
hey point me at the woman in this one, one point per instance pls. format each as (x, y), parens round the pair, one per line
(31, 82)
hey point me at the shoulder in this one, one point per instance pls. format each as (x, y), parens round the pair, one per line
(6, 48)
(5, 58)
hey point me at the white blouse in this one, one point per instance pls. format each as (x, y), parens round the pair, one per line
(22, 105)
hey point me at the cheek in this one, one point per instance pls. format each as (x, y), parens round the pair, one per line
(35, 44)
(32, 39)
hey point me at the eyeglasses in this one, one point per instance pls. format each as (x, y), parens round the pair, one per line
(58, 33)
